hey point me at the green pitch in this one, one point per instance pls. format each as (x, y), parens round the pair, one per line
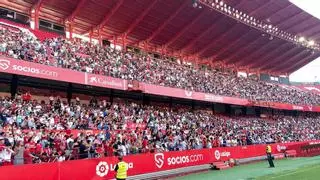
(287, 169)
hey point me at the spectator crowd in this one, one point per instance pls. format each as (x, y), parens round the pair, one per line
(34, 131)
(87, 57)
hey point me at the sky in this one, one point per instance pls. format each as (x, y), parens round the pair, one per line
(311, 71)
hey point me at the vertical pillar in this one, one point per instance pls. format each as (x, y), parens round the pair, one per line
(193, 105)
(114, 42)
(228, 109)
(257, 111)
(36, 19)
(71, 30)
(111, 96)
(124, 42)
(90, 37)
(69, 92)
(14, 86)
(33, 17)
(99, 37)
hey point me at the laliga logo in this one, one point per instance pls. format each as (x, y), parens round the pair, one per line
(102, 169)
(159, 158)
(93, 79)
(217, 154)
(4, 64)
(280, 148)
(188, 93)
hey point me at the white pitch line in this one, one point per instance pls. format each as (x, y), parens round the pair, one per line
(294, 172)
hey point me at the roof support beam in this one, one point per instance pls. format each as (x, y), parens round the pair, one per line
(71, 17)
(272, 52)
(289, 18)
(34, 13)
(291, 60)
(309, 33)
(164, 24)
(252, 12)
(282, 56)
(261, 7)
(240, 50)
(202, 34)
(215, 40)
(304, 61)
(140, 17)
(297, 23)
(37, 5)
(184, 29)
(108, 16)
(281, 10)
(225, 48)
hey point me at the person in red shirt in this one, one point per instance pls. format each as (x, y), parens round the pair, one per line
(27, 156)
(38, 148)
(26, 97)
(100, 150)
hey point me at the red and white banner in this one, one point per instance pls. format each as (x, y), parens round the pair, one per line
(134, 126)
(101, 169)
(312, 88)
(286, 106)
(105, 81)
(36, 70)
(185, 94)
(13, 66)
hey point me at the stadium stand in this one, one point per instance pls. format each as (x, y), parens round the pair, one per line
(86, 57)
(55, 133)
(45, 128)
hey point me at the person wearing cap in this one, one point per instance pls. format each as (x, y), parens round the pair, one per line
(121, 169)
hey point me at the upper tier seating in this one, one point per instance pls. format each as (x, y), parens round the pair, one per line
(86, 57)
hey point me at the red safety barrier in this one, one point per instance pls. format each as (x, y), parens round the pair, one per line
(13, 66)
(102, 168)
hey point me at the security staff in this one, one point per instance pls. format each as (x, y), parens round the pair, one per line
(269, 156)
(121, 169)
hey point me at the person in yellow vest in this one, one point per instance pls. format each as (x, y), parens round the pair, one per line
(121, 169)
(269, 156)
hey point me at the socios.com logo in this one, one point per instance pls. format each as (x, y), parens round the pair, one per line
(34, 70)
(159, 159)
(176, 160)
(4, 64)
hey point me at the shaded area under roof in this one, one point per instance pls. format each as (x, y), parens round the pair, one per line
(183, 30)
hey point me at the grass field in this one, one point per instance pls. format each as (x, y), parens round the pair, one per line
(287, 169)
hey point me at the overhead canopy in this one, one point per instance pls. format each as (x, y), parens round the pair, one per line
(196, 33)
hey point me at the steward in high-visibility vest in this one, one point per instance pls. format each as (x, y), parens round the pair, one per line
(121, 169)
(269, 156)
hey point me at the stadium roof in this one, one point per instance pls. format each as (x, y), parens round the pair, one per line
(178, 28)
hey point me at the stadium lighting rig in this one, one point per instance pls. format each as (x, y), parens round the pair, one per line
(266, 27)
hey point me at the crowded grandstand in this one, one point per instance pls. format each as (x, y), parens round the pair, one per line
(92, 90)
